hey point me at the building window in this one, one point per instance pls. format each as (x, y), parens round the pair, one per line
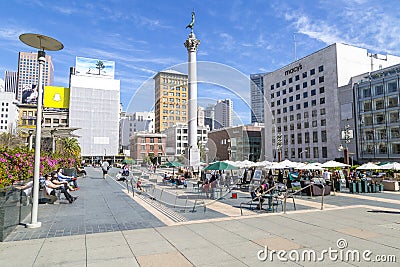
(284, 92)
(322, 100)
(290, 98)
(321, 68)
(392, 102)
(324, 152)
(297, 77)
(290, 80)
(299, 139)
(321, 79)
(305, 94)
(278, 102)
(298, 97)
(323, 136)
(312, 71)
(284, 101)
(304, 84)
(272, 87)
(392, 87)
(322, 111)
(290, 89)
(314, 123)
(315, 137)
(313, 82)
(272, 95)
(298, 106)
(322, 90)
(278, 93)
(283, 82)
(298, 116)
(305, 104)
(313, 92)
(290, 108)
(304, 75)
(297, 87)
(379, 90)
(306, 137)
(379, 103)
(315, 152)
(323, 122)
(277, 85)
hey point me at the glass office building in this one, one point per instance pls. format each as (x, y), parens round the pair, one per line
(378, 111)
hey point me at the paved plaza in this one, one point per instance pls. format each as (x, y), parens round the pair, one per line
(109, 226)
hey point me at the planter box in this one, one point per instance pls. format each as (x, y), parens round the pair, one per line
(14, 208)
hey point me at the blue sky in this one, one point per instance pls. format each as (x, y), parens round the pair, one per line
(237, 38)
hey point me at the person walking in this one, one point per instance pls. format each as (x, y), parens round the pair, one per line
(105, 166)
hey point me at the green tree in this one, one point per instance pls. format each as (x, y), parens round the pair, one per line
(10, 140)
(100, 65)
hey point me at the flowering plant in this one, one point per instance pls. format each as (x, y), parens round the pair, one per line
(18, 164)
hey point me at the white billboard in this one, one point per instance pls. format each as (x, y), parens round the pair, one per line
(92, 67)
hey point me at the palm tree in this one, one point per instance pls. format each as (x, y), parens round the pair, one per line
(100, 65)
(70, 147)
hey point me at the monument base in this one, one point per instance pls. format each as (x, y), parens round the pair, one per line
(192, 157)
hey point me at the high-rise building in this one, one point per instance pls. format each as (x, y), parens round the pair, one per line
(171, 99)
(133, 123)
(11, 81)
(94, 107)
(8, 112)
(223, 114)
(257, 97)
(303, 102)
(28, 76)
(209, 117)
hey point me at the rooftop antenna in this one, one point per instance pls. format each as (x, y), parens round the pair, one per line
(294, 39)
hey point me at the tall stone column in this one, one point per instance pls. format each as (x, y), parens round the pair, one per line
(192, 151)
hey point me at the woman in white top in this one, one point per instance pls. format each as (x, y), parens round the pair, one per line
(51, 189)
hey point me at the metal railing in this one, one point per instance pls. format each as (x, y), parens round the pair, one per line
(291, 195)
(257, 198)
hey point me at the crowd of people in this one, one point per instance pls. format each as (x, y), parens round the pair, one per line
(54, 184)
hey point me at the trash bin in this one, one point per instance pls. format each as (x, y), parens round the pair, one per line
(234, 195)
(359, 187)
(364, 186)
(372, 188)
(353, 187)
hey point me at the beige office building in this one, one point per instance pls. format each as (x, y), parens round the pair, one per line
(171, 99)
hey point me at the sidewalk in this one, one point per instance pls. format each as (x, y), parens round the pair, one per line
(106, 227)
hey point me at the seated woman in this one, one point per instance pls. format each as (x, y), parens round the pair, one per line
(80, 170)
(66, 178)
(55, 180)
(51, 190)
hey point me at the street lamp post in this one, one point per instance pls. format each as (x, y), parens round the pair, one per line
(42, 43)
(301, 154)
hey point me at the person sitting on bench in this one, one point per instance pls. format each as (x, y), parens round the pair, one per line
(80, 170)
(56, 181)
(51, 190)
(66, 178)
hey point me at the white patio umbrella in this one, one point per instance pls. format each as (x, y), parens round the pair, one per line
(310, 166)
(286, 164)
(391, 166)
(369, 166)
(334, 164)
(264, 164)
